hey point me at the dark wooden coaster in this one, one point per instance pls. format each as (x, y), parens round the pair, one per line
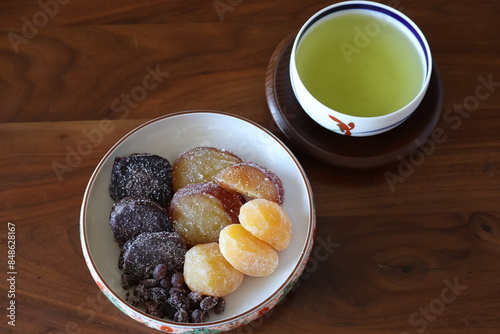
(339, 150)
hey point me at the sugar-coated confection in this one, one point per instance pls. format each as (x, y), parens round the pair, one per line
(268, 221)
(200, 211)
(208, 272)
(246, 252)
(141, 175)
(142, 254)
(132, 216)
(252, 180)
(200, 165)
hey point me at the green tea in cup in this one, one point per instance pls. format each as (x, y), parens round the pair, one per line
(359, 63)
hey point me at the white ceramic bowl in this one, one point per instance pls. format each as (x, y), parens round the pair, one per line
(169, 136)
(342, 123)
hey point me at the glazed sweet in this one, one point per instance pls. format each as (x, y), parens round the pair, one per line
(200, 211)
(267, 221)
(253, 181)
(208, 272)
(142, 254)
(141, 175)
(132, 216)
(246, 252)
(200, 165)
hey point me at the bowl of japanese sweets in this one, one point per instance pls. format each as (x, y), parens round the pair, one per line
(197, 222)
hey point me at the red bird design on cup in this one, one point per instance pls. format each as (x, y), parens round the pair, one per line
(345, 128)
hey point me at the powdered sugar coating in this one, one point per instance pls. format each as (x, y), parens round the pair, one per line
(142, 175)
(246, 252)
(268, 221)
(231, 201)
(132, 216)
(200, 211)
(209, 273)
(200, 165)
(252, 180)
(142, 254)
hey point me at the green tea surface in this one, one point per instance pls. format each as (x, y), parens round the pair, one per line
(360, 65)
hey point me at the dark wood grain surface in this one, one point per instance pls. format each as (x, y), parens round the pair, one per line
(410, 247)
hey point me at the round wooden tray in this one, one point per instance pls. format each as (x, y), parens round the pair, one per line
(339, 150)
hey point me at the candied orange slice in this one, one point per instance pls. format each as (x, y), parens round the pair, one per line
(246, 252)
(267, 221)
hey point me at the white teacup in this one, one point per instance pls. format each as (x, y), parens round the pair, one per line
(360, 68)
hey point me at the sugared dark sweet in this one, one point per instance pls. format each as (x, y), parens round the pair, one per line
(132, 298)
(132, 216)
(150, 283)
(175, 289)
(141, 293)
(181, 316)
(179, 301)
(208, 303)
(160, 272)
(221, 306)
(142, 254)
(155, 310)
(178, 304)
(158, 295)
(177, 280)
(197, 316)
(168, 310)
(165, 283)
(194, 299)
(120, 259)
(142, 175)
(127, 281)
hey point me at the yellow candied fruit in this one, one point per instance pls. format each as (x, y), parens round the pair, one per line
(246, 252)
(200, 165)
(199, 218)
(208, 272)
(267, 221)
(253, 181)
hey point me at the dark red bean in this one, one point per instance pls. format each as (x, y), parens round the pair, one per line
(220, 306)
(178, 301)
(158, 295)
(142, 293)
(132, 298)
(194, 298)
(181, 316)
(178, 279)
(197, 316)
(208, 303)
(168, 310)
(165, 283)
(181, 291)
(154, 310)
(127, 281)
(150, 283)
(160, 271)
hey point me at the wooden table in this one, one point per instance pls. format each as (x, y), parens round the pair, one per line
(417, 255)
